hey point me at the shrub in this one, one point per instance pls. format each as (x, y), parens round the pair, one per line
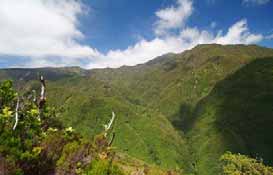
(237, 164)
(20, 144)
(99, 167)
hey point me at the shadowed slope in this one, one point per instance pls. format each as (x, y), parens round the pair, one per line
(236, 116)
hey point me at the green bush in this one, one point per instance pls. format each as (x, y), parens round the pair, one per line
(101, 167)
(237, 164)
(21, 145)
(68, 154)
(7, 94)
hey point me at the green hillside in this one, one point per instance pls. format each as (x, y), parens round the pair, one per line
(236, 116)
(176, 111)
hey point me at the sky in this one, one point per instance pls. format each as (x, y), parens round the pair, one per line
(113, 33)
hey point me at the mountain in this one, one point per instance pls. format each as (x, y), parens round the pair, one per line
(176, 111)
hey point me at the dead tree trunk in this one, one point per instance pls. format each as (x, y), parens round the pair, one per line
(16, 114)
(42, 99)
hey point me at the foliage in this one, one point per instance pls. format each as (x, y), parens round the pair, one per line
(7, 94)
(100, 167)
(237, 164)
(41, 145)
(21, 144)
(236, 117)
(17, 143)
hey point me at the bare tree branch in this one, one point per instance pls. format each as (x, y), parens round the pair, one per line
(34, 96)
(16, 114)
(107, 127)
(42, 99)
(43, 93)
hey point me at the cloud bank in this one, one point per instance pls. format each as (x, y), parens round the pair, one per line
(39, 28)
(47, 31)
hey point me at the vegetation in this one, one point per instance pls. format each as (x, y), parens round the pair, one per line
(19, 144)
(178, 111)
(235, 116)
(234, 164)
(39, 144)
(25, 145)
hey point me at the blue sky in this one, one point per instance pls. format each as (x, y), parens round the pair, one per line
(112, 33)
(122, 21)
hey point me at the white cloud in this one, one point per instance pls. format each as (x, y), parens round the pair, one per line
(173, 17)
(238, 34)
(41, 28)
(139, 53)
(47, 32)
(256, 2)
(188, 38)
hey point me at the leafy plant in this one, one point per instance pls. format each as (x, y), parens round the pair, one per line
(237, 164)
(101, 167)
(21, 128)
